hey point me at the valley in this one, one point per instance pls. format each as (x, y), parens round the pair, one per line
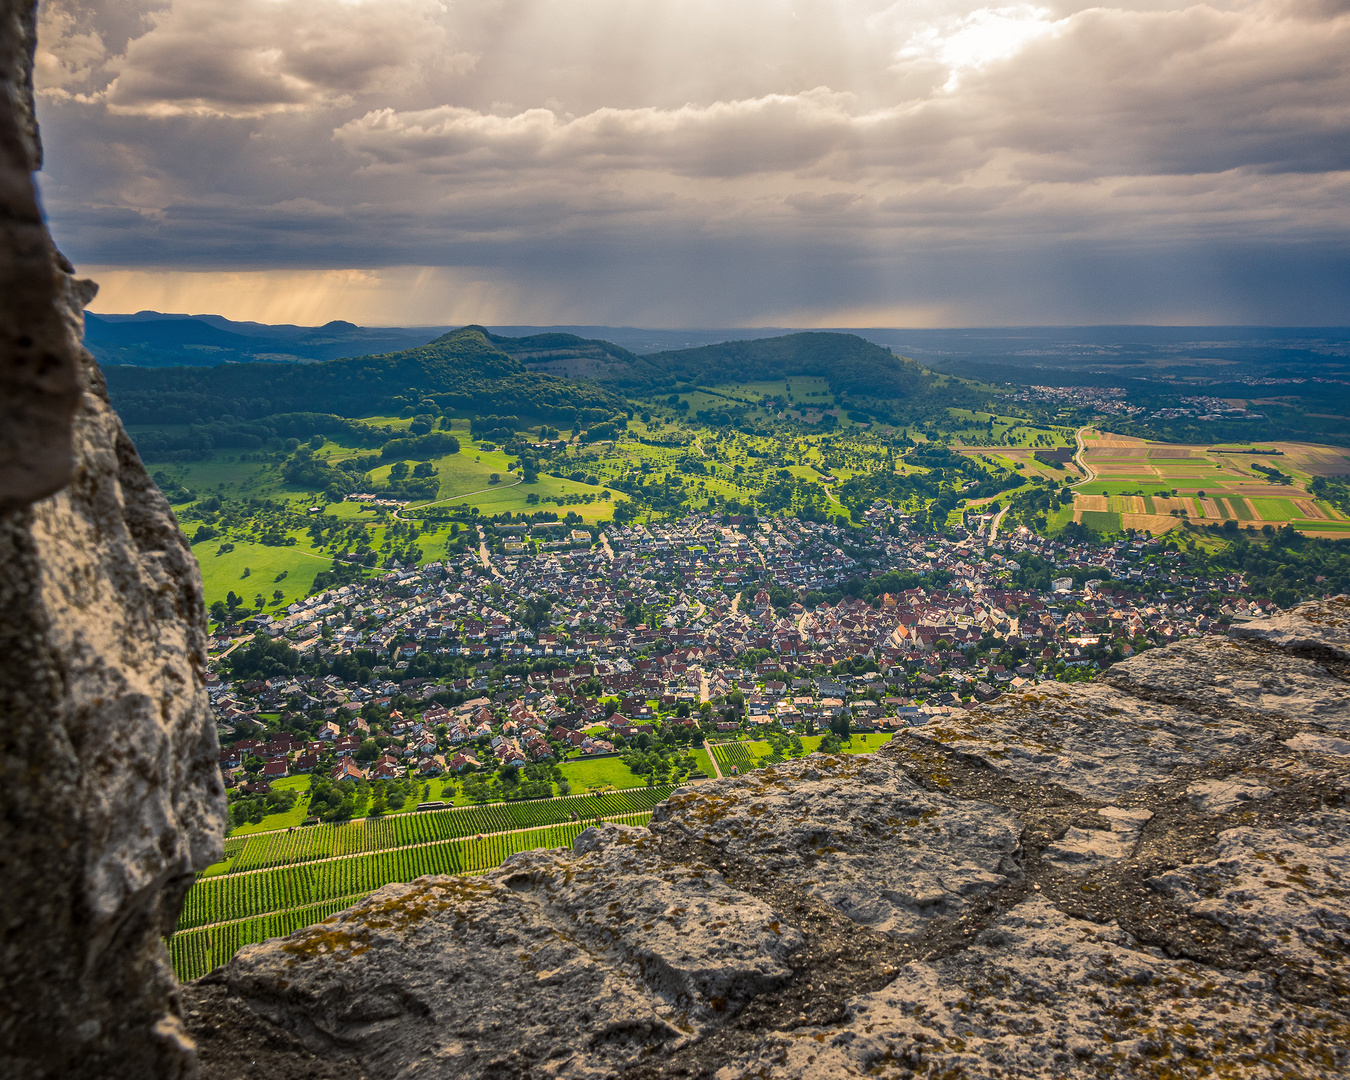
(543, 581)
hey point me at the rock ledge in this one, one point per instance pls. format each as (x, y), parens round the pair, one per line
(1144, 876)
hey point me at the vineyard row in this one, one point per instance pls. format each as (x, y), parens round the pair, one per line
(309, 843)
(235, 897)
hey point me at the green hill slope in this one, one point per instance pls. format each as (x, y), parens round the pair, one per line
(463, 369)
(851, 364)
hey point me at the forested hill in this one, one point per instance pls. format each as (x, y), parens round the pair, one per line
(850, 363)
(463, 369)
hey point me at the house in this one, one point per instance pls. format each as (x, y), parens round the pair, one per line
(305, 763)
(346, 746)
(346, 769)
(274, 769)
(462, 762)
(386, 768)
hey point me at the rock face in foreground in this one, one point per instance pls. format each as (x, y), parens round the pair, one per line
(110, 797)
(1142, 876)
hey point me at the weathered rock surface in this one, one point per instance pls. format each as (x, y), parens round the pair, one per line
(1043, 994)
(858, 835)
(1142, 876)
(553, 965)
(40, 354)
(109, 793)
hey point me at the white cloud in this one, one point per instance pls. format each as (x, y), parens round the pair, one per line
(248, 58)
(965, 42)
(767, 134)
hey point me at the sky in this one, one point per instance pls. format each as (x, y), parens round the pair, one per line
(681, 163)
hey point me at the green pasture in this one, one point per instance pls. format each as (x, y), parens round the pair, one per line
(857, 744)
(1272, 509)
(704, 762)
(1058, 519)
(589, 774)
(223, 573)
(1102, 521)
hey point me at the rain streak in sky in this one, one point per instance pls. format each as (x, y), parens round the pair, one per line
(691, 163)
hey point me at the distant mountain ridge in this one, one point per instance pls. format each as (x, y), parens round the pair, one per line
(462, 369)
(553, 375)
(152, 339)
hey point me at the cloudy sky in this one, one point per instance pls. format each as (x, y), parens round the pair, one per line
(704, 162)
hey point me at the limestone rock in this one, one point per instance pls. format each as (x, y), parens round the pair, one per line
(1081, 850)
(553, 965)
(1266, 687)
(1282, 891)
(110, 796)
(859, 835)
(40, 354)
(1043, 994)
(1315, 629)
(1219, 796)
(1090, 739)
(110, 791)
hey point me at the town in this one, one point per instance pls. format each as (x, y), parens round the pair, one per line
(518, 662)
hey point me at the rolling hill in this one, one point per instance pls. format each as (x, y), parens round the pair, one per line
(463, 370)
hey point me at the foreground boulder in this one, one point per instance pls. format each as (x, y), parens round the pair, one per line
(1142, 876)
(110, 797)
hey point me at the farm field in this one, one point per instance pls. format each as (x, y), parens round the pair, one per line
(288, 845)
(271, 884)
(734, 756)
(1157, 486)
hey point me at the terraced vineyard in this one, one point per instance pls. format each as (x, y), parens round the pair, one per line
(729, 754)
(271, 884)
(305, 844)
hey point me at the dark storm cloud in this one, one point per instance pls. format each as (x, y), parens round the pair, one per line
(939, 161)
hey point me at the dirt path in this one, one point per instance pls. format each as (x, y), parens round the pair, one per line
(493, 487)
(1089, 474)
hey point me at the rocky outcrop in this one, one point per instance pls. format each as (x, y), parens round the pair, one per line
(110, 796)
(40, 354)
(1144, 876)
